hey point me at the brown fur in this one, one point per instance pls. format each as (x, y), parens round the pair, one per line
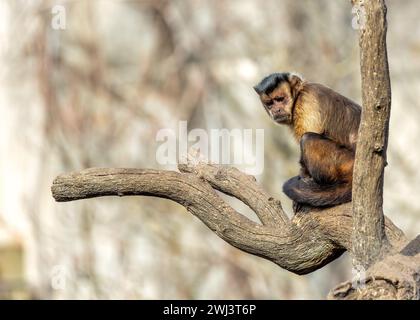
(321, 110)
(326, 125)
(330, 162)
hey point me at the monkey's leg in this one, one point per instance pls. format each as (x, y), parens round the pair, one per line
(304, 173)
(326, 174)
(326, 162)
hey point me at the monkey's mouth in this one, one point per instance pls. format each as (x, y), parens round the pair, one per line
(280, 117)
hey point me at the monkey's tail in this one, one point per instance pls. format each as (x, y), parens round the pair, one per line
(308, 192)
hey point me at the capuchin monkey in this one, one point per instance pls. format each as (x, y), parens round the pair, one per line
(326, 124)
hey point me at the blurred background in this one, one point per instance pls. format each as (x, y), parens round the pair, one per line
(95, 93)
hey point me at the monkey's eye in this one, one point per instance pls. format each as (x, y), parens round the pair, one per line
(279, 99)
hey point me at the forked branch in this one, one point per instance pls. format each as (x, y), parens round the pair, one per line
(302, 244)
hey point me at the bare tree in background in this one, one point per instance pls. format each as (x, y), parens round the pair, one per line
(309, 240)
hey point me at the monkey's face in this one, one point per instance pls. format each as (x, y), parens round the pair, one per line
(278, 103)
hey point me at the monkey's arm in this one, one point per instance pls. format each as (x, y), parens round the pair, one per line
(324, 160)
(326, 173)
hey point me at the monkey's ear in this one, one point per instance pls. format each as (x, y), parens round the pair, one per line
(295, 80)
(296, 83)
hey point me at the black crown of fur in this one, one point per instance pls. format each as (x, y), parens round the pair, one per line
(269, 83)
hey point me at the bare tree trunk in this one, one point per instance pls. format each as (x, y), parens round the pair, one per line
(387, 274)
(368, 230)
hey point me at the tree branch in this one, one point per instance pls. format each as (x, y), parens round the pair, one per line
(301, 245)
(368, 177)
(230, 181)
